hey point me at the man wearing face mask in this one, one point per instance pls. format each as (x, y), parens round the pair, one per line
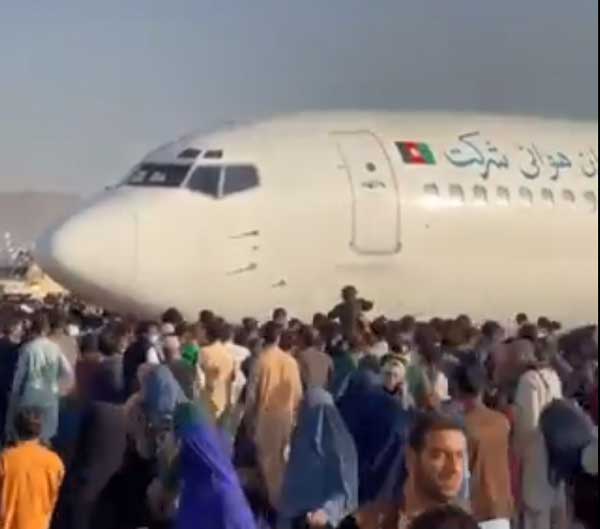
(394, 381)
(144, 350)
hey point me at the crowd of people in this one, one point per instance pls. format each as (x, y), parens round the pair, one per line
(344, 422)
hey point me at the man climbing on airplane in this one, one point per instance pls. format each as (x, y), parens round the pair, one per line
(350, 311)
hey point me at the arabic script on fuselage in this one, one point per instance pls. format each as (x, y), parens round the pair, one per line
(474, 151)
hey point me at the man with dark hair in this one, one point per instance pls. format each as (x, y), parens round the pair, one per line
(109, 383)
(206, 317)
(489, 445)
(172, 316)
(436, 465)
(280, 317)
(273, 399)
(30, 476)
(350, 311)
(522, 319)
(316, 367)
(144, 350)
(444, 518)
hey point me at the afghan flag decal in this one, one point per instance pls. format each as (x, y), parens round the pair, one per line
(414, 153)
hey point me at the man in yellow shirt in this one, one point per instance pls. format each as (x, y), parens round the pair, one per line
(30, 477)
(218, 366)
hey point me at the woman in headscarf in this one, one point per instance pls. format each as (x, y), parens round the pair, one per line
(150, 422)
(567, 432)
(211, 496)
(380, 428)
(321, 483)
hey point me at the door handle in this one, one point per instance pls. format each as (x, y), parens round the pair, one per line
(373, 184)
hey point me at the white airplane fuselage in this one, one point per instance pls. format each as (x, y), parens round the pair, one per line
(425, 214)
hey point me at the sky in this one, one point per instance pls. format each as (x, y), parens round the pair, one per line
(87, 88)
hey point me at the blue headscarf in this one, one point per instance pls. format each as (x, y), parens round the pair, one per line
(567, 432)
(161, 395)
(380, 428)
(211, 497)
(323, 469)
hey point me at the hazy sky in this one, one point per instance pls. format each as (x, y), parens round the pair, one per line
(86, 88)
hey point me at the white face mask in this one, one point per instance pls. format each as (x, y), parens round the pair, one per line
(73, 330)
(154, 339)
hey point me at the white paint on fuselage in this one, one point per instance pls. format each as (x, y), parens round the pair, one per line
(293, 241)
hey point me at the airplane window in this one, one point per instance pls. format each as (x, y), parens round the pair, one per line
(526, 196)
(190, 153)
(457, 194)
(240, 178)
(207, 180)
(213, 155)
(432, 190)
(548, 197)
(481, 195)
(158, 175)
(592, 200)
(503, 196)
(569, 197)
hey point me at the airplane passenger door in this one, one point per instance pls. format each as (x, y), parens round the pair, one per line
(375, 200)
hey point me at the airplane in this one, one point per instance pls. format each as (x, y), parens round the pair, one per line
(430, 214)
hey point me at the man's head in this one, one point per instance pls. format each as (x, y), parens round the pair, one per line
(149, 330)
(522, 319)
(379, 328)
(280, 316)
(226, 333)
(110, 342)
(493, 332)
(436, 458)
(308, 337)
(14, 330)
(28, 423)
(205, 317)
(272, 333)
(444, 518)
(530, 332)
(349, 293)
(40, 326)
(471, 381)
(89, 344)
(172, 316)
(214, 330)
(58, 321)
(287, 341)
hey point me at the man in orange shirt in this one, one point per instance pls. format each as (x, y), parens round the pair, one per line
(30, 477)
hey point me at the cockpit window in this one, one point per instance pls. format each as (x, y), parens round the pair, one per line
(217, 181)
(240, 178)
(213, 155)
(158, 175)
(207, 180)
(190, 153)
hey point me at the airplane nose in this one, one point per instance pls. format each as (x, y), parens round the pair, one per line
(91, 251)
